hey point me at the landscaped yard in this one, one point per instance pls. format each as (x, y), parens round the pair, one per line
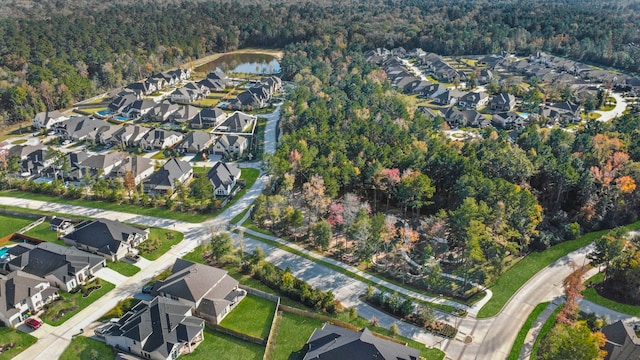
(20, 340)
(44, 232)
(85, 348)
(294, 332)
(70, 304)
(252, 316)
(592, 295)
(123, 267)
(220, 346)
(509, 282)
(159, 242)
(11, 224)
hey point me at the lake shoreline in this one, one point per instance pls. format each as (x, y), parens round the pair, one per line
(277, 54)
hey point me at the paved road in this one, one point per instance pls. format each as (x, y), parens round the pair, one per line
(621, 106)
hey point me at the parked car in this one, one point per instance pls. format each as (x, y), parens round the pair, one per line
(147, 289)
(33, 323)
(101, 332)
(132, 256)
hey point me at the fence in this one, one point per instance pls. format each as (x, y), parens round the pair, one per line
(238, 335)
(273, 335)
(32, 225)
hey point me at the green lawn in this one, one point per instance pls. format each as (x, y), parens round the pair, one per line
(120, 309)
(71, 304)
(85, 348)
(134, 209)
(11, 224)
(592, 295)
(43, 232)
(220, 346)
(522, 334)
(294, 332)
(206, 102)
(123, 267)
(21, 340)
(159, 242)
(509, 282)
(252, 316)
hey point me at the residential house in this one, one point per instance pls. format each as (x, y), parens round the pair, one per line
(207, 118)
(165, 179)
(448, 97)
(485, 76)
(503, 102)
(102, 164)
(123, 100)
(64, 268)
(59, 224)
(433, 90)
(139, 166)
(46, 119)
(195, 142)
(223, 177)
(201, 90)
(473, 100)
(238, 122)
(129, 135)
(21, 294)
(566, 112)
(78, 128)
(185, 114)
(337, 343)
(144, 87)
(622, 341)
(69, 168)
(104, 133)
(110, 239)
(230, 144)
(160, 139)
(139, 108)
(185, 95)
(162, 329)
(218, 75)
(507, 120)
(161, 112)
(249, 100)
(463, 118)
(22, 152)
(180, 74)
(428, 112)
(273, 83)
(213, 85)
(36, 163)
(210, 291)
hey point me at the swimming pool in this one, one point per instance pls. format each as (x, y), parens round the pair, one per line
(103, 113)
(3, 252)
(121, 118)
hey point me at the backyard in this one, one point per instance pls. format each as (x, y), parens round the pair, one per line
(591, 294)
(11, 224)
(159, 242)
(294, 332)
(44, 232)
(252, 316)
(220, 346)
(21, 341)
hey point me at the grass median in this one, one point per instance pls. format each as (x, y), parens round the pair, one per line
(522, 334)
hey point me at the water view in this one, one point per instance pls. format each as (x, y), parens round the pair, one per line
(249, 63)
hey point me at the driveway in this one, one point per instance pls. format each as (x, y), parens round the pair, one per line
(621, 106)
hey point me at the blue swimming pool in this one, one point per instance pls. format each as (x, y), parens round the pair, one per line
(43, 180)
(121, 118)
(3, 252)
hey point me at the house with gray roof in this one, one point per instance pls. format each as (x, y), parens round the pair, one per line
(337, 343)
(622, 342)
(139, 166)
(207, 118)
(238, 122)
(503, 102)
(46, 119)
(139, 108)
(160, 139)
(122, 100)
(230, 144)
(64, 268)
(223, 176)
(107, 238)
(208, 290)
(21, 294)
(163, 180)
(184, 114)
(507, 120)
(161, 112)
(78, 128)
(162, 329)
(104, 163)
(184, 95)
(129, 135)
(473, 100)
(195, 142)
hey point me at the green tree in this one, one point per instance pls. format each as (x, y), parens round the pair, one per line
(321, 232)
(572, 342)
(221, 245)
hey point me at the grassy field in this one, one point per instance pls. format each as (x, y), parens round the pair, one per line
(71, 304)
(206, 102)
(21, 340)
(44, 232)
(11, 224)
(592, 295)
(522, 334)
(123, 268)
(220, 346)
(252, 316)
(159, 242)
(294, 332)
(509, 282)
(84, 348)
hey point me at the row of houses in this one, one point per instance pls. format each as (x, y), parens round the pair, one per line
(160, 81)
(196, 90)
(258, 95)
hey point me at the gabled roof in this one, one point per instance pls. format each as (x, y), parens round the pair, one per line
(223, 174)
(105, 235)
(236, 123)
(196, 140)
(193, 282)
(23, 151)
(227, 140)
(622, 342)
(163, 109)
(15, 287)
(170, 171)
(186, 113)
(217, 75)
(136, 164)
(140, 105)
(474, 97)
(97, 162)
(159, 325)
(337, 343)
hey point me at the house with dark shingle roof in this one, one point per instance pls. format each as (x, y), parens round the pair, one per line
(161, 112)
(622, 342)
(161, 329)
(164, 179)
(107, 238)
(195, 142)
(184, 114)
(230, 144)
(46, 119)
(139, 166)
(208, 117)
(22, 293)
(238, 122)
(503, 102)
(64, 268)
(208, 290)
(160, 139)
(336, 343)
(223, 177)
(473, 100)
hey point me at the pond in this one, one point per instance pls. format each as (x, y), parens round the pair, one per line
(248, 63)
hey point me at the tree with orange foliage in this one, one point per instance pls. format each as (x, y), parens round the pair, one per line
(573, 291)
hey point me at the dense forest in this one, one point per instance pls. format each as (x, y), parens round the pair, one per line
(55, 52)
(351, 145)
